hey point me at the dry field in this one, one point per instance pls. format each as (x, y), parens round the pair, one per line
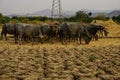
(100, 60)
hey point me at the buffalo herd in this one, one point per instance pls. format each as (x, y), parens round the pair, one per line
(65, 32)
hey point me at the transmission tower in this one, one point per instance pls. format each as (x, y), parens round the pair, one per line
(56, 12)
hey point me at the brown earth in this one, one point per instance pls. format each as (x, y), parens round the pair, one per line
(100, 60)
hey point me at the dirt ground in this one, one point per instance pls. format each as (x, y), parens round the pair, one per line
(100, 60)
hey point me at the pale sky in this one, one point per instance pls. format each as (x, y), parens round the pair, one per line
(30, 6)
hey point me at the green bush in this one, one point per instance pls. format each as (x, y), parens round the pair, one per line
(92, 58)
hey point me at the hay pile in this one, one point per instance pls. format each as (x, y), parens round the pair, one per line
(113, 28)
(108, 24)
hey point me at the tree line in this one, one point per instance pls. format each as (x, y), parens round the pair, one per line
(80, 16)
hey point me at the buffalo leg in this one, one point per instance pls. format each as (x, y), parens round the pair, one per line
(16, 38)
(5, 36)
(2, 35)
(80, 39)
(96, 37)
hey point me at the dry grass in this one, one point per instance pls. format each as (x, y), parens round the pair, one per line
(100, 60)
(113, 28)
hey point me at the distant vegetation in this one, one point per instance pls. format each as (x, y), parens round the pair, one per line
(80, 16)
(4, 19)
(116, 19)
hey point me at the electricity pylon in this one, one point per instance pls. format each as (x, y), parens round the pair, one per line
(56, 12)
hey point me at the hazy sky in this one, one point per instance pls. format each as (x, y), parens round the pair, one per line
(30, 6)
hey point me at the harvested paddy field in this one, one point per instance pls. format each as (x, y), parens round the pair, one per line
(100, 60)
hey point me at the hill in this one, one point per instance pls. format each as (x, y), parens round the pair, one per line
(114, 13)
(47, 12)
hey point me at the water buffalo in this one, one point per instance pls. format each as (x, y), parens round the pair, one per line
(7, 28)
(73, 30)
(49, 31)
(93, 29)
(28, 31)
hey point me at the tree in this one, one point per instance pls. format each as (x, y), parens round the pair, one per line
(102, 17)
(1, 15)
(116, 18)
(3, 19)
(81, 15)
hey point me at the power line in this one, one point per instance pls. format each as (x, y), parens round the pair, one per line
(56, 12)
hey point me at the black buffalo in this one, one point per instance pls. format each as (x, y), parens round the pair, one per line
(7, 28)
(49, 31)
(93, 29)
(26, 31)
(74, 31)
